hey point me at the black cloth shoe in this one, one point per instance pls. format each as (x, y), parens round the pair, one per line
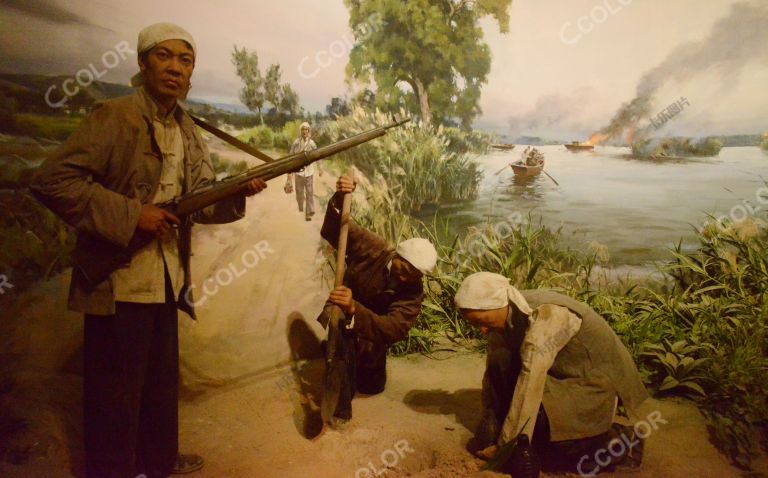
(524, 462)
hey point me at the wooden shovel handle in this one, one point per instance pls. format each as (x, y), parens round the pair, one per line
(341, 252)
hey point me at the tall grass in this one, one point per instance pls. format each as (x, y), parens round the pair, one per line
(419, 165)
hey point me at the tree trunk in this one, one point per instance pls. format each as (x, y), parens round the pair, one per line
(421, 92)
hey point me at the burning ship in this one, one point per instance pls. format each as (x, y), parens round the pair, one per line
(578, 146)
(588, 145)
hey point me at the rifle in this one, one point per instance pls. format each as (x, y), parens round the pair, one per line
(107, 257)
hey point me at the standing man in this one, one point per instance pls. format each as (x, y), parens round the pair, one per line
(304, 177)
(381, 298)
(554, 372)
(128, 155)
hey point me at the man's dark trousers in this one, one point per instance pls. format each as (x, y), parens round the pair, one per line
(131, 390)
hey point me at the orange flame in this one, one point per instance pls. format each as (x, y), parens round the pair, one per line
(596, 139)
(630, 135)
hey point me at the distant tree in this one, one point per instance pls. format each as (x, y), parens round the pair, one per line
(272, 85)
(289, 101)
(247, 66)
(338, 107)
(433, 46)
(365, 98)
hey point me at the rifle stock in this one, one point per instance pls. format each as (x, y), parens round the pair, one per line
(104, 258)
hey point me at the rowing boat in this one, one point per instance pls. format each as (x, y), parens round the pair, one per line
(522, 170)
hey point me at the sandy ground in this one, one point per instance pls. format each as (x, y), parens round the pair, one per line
(250, 376)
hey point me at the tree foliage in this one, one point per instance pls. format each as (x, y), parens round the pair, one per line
(259, 89)
(247, 67)
(427, 56)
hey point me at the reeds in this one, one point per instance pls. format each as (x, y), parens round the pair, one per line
(419, 165)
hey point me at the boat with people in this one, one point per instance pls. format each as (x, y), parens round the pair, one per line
(530, 164)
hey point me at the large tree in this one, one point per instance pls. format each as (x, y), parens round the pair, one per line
(435, 47)
(247, 67)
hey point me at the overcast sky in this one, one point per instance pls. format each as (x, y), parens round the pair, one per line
(549, 76)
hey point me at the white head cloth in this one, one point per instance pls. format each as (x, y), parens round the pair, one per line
(488, 291)
(420, 253)
(158, 33)
(304, 125)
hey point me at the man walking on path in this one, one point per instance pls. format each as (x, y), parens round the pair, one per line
(304, 177)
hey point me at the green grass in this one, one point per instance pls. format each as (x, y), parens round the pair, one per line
(51, 127)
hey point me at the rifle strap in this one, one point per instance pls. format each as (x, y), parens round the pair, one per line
(231, 140)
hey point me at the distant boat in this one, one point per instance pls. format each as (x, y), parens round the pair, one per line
(522, 170)
(503, 146)
(577, 146)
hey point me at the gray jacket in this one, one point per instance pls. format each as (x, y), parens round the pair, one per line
(588, 374)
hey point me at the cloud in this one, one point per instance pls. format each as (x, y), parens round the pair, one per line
(50, 12)
(556, 113)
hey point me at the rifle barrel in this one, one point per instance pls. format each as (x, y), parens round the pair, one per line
(208, 195)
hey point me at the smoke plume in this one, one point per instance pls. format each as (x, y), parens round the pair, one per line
(735, 41)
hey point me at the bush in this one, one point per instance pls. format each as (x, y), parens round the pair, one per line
(228, 168)
(259, 136)
(414, 161)
(676, 147)
(287, 135)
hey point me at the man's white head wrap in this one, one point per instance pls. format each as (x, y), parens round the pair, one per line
(304, 125)
(420, 253)
(488, 291)
(158, 33)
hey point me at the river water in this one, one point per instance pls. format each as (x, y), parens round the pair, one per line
(637, 208)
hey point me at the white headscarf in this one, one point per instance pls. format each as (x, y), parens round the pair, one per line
(420, 253)
(158, 33)
(488, 291)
